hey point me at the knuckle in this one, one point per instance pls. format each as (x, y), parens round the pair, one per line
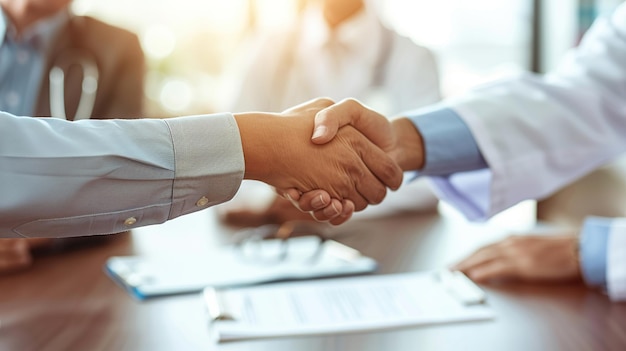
(391, 173)
(324, 100)
(379, 195)
(350, 102)
(360, 205)
(320, 102)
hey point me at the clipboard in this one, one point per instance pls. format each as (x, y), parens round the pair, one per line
(344, 305)
(148, 277)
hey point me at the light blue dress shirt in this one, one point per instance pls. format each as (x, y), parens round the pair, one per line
(22, 60)
(594, 239)
(450, 147)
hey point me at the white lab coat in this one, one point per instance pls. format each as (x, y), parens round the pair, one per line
(539, 133)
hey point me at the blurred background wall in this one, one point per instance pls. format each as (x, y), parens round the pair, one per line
(195, 47)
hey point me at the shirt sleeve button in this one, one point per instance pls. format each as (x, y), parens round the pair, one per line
(202, 202)
(130, 221)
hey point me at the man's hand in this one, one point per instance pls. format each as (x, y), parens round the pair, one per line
(400, 139)
(279, 152)
(525, 258)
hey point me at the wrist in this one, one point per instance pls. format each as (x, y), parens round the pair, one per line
(255, 131)
(271, 147)
(409, 153)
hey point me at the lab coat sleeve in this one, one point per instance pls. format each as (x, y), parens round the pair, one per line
(537, 133)
(89, 177)
(616, 260)
(451, 152)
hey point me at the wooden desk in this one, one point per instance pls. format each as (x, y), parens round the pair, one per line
(66, 302)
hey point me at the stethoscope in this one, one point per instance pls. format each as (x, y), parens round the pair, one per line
(89, 85)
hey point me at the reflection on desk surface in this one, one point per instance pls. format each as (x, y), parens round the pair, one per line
(66, 302)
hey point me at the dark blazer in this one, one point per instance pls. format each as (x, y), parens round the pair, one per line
(120, 63)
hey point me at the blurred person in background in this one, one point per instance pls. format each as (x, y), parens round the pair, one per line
(56, 64)
(339, 49)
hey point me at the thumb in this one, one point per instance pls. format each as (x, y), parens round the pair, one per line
(351, 112)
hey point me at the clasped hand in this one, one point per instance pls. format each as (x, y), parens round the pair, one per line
(344, 168)
(399, 140)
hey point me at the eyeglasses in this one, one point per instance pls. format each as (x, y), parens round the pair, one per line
(298, 242)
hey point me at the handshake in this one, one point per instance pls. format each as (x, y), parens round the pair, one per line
(329, 159)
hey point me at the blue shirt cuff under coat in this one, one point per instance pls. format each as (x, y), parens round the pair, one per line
(594, 239)
(449, 145)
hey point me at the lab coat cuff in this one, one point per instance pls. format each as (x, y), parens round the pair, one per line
(615, 258)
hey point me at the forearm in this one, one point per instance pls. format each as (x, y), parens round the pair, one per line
(91, 177)
(263, 143)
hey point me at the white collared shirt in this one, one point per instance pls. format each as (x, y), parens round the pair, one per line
(311, 60)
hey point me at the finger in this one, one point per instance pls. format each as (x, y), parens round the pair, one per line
(372, 124)
(360, 202)
(383, 167)
(333, 210)
(346, 214)
(494, 270)
(291, 194)
(314, 200)
(479, 257)
(376, 165)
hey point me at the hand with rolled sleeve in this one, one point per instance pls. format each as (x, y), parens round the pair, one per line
(62, 178)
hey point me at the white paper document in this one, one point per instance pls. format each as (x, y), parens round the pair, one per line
(344, 305)
(145, 277)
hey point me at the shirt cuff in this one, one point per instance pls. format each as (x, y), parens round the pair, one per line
(593, 250)
(209, 161)
(449, 145)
